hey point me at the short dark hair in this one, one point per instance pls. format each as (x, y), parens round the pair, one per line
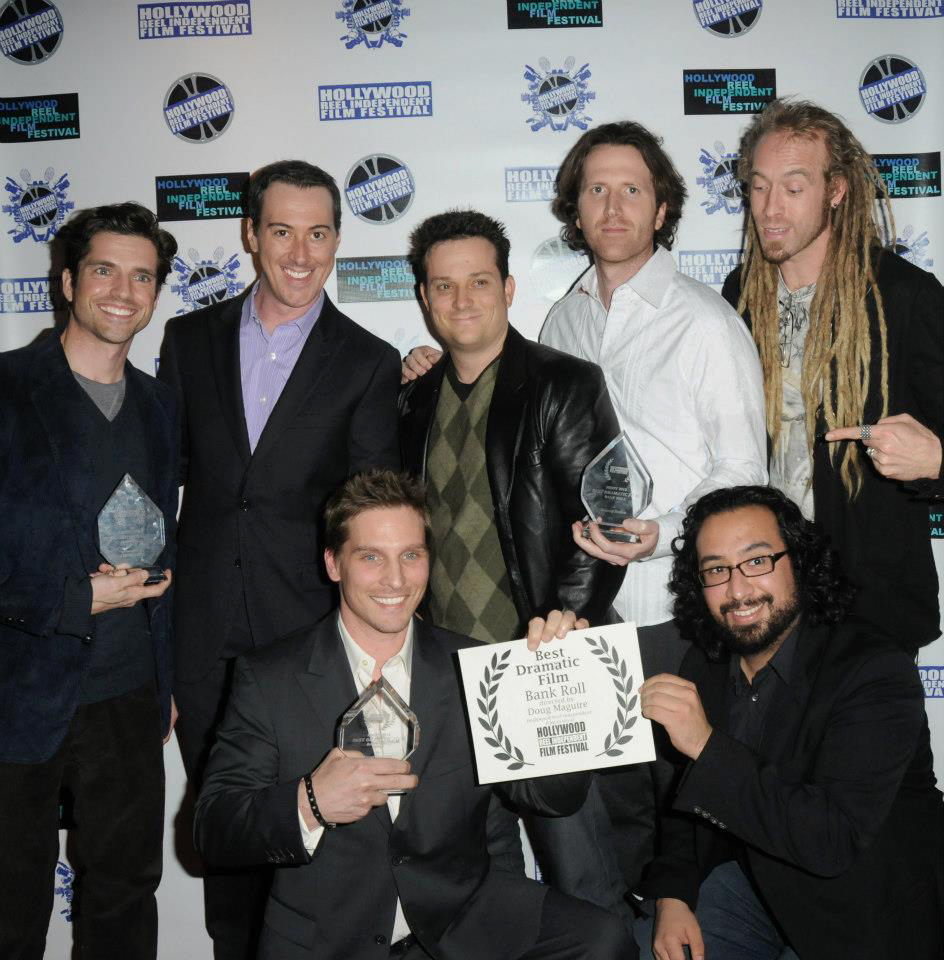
(668, 185)
(296, 173)
(368, 491)
(823, 592)
(131, 219)
(457, 225)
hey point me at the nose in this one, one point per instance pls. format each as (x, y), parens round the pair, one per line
(611, 205)
(298, 251)
(121, 284)
(394, 575)
(739, 586)
(772, 204)
(463, 296)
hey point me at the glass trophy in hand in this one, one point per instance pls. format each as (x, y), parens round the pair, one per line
(381, 723)
(131, 529)
(615, 485)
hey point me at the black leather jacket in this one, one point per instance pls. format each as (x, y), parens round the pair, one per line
(550, 415)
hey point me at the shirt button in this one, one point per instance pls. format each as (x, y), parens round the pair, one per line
(380, 939)
(396, 861)
(244, 504)
(272, 356)
(753, 698)
(237, 562)
(262, 399)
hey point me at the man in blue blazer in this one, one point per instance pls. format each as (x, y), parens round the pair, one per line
(85, 654)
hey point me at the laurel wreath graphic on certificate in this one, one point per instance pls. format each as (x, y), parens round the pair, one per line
(617, 736)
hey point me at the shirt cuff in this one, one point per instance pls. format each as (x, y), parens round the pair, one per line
(76, 617)
(310, 838)
(670, 525)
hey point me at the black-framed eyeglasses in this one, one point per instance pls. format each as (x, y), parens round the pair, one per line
(719, 573)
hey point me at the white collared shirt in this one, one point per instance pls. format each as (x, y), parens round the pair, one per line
(684, 377)
(397, 672)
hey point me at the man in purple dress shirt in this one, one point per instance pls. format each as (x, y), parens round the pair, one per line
(282, 397)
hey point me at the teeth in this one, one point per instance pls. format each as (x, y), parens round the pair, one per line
(297, 274)
(389, 601)
(746, 611)
(117, 311)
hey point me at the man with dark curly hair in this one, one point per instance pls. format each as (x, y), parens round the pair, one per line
(806, 821)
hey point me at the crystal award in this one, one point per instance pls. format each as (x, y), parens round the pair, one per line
(379, 722)
(131, 529)
(616, 485)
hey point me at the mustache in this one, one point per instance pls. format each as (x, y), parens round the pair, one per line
(737, 604)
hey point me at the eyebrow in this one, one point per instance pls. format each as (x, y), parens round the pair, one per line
(750, 547)
(794, 172)
(111, 263)
(288, 226)
(477, 273)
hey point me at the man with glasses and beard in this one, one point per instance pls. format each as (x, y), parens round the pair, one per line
(806, 821)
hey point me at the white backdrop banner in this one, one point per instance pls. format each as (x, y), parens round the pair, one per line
(414, 108)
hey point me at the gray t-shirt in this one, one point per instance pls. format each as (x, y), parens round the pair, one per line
(108, 397)
(791, 468)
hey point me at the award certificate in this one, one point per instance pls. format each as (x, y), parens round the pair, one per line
(573, 704)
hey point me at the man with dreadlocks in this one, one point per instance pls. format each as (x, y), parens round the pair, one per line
(851, 340)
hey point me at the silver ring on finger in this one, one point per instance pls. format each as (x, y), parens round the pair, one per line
(870, 451)
(865, 432)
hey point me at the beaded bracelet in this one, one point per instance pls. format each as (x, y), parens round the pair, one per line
(313, 803)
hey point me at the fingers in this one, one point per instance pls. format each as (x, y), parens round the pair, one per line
(556, 626)
(843, 433)
(591, 541)
(618, 552)
(418, 361)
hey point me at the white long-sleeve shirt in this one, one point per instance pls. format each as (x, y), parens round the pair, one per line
(685, 379)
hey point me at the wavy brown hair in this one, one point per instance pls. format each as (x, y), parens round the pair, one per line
(838, 353)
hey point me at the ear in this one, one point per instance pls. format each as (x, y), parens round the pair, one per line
(67, 291)
(423, 296)
(251, 237)
(660, 216)
(509, 290)
(839, 187)
(331, 565)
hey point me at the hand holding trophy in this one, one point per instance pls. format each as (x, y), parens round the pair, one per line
(616, 484)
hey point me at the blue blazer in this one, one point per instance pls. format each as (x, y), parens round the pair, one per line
(49, 534)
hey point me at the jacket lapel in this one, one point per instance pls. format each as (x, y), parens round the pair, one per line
(417, 404)
(506, 418)
(61, 407)
(224, 351)
(325, 341)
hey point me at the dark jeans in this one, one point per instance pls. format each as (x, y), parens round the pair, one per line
(733, 921)
(111, 763)
(234, 900)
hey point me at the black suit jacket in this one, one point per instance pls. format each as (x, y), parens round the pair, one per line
(49, 534)
(339, 904)
(251, 524)
(883, 535)
(837, 809)
(550, 416)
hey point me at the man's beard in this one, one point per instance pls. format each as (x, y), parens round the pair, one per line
(779, 253)
(757, 637)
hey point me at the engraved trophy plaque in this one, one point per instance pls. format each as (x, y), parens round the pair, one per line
(131, 529)
(616, 485)
(381, 723)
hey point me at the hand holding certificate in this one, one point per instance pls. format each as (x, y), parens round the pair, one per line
(570, 705)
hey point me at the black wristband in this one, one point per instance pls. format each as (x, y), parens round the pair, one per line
(313, 803)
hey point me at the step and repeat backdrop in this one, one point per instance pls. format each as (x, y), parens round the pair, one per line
(416, 106)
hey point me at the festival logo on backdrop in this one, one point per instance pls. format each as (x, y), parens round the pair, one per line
(161, 21)
(708, 90)
(30, 30)
(49, 116)
(892, 88)
(368, 101)
(202, 282)
(720, 181)
(909, 175)
(379, 188)
(727, 18)
(25, 295)
(373, 22)
(524, 184)
(542, 14)
(932, 678)
(889, 9)
(374, 279)
(38, 206)
(198, 107)
(558, 95)
(554, 268)
(708, 266)
(200, 196)
(913, 246)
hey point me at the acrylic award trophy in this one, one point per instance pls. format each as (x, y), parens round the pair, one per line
(616, 485)
(131, 529)
(379, 722)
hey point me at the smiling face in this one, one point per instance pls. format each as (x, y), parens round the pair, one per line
(617, 209)
(382, 569)
(467, 299)
(791, 201)
(295, 241)
(754, 614)
(114, 290)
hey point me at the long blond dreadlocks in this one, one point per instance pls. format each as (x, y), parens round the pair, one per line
(838, 350)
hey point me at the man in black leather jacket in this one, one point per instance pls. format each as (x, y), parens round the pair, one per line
(501, 430)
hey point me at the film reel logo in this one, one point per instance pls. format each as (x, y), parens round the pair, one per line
(727, 18)
(38, 207)
(198, 107)
(203, 282)
(30, 30)
(892, 88)
(379, 188)
(720, 180)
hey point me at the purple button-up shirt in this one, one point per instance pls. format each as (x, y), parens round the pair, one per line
(266, 360)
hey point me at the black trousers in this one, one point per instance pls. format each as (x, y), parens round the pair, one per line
(111, 762)
(234, 900)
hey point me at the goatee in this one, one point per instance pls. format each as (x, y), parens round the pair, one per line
(757, 637)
